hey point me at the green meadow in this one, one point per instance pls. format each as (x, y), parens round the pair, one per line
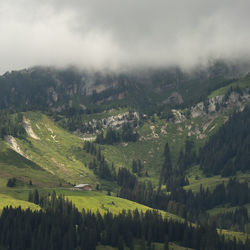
(7, 201)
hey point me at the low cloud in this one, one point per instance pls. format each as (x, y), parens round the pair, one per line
(115, 34)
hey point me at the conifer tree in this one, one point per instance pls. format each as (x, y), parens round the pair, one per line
(167, 165)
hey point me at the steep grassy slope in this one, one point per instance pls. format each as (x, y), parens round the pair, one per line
(13, 164)
(56, 150)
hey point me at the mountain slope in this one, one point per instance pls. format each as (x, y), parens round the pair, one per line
(56, 150)
(15, 165)
(61, 154)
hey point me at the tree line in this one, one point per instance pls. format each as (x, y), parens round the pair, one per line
(229, 147)
(236, 220)
(99, 165)
(101, 168)
(59, 225)
(11, 124)
(174, 176)
(187, 204)
(113, 136)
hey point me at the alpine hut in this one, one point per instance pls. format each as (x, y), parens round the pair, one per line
(86, 187)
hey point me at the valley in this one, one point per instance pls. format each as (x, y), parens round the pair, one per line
(124, 125)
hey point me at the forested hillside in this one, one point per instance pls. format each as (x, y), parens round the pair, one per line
(148, 90)
(143, 140)
(124, 125)
(11, 124)
(228, 150)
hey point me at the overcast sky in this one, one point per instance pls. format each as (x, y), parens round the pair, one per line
(122, 33)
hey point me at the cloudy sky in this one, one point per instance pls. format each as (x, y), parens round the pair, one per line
(116, 34)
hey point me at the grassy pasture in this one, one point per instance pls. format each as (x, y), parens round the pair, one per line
(6, 200)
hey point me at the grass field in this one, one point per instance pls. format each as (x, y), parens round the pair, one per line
(88, 200)
(6, 200)
(82, 199)
(196, 178)
(95, 200)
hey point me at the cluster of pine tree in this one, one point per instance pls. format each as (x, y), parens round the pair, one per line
(76, 122)
(99, 165)
(59, 225)
(229, 147)
(11, 124)
(19, 89)
(195, 204)
(186, 204)
(236, 220)
(113, 136)
(137, 167)
(91, 148)
(174, 177)
(189, 205)
(11, 182)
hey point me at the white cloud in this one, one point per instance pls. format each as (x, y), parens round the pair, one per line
(113, 34)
